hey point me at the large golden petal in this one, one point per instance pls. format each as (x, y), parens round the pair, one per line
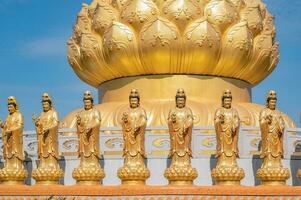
(265, 70)
(93, 59)
(202, 44)
(74, 58)
(89, 52)
(120, 50)
(268, 24)
(103, 18)
(138, 12)
(160, 46)
(265, 53)
(259, 3)
(252, 15)
(183, 12)
(260, 60)
(236, 50)
(83, 22)
(221, 13)
(239, 4)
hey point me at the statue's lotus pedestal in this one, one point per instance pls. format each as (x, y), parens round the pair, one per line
(181, 175)
(133, 175)
(47, 176)
(273, 175)
(224, 175)
(12, 176)
(91, 175)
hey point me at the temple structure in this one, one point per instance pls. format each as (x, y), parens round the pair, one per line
(192, 124)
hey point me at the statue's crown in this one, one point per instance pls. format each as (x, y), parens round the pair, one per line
(272, 95)
(134, 94)
(46, 97)
(180, 93)
(13, 100)
(227, 94)
(88, 95)
(224, 38)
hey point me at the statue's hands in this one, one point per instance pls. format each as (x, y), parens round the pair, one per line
(136, 130)
(221, 118)
(233, 130)
(45, 131)
(8, 134)
(1, 124)
(173, 117)
(88, 130)
(269, 119)
(35, 119)
(125, 117)
(78, 119)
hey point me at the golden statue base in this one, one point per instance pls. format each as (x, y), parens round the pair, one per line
(47, 182)
(13, 177)
(88, 175)
(273, 176)
(87, 182)
(227, 183)
(227, 175)
(180, 183)
(47, 176)
(12, 183)
(181, 175)
(133, 175)
(134, 183)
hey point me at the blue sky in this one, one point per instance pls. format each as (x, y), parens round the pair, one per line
(33, 59)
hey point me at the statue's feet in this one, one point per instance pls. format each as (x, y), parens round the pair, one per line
(227, 175)
(88, 175)
(47, 176)
(10, 176)
(133, 175)
(273, 175)
(181, 175)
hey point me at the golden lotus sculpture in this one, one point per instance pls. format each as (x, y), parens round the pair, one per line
(158, 46)
(226, 38)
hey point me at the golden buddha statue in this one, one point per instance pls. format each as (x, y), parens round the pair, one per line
(272, 129)
(180, 123)
(227, 124)
(48, 171)
(88, 120)
(133, 124)
(12, 136)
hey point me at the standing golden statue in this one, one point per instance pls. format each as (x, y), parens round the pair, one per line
(12, 136)
(227, 122)
(89, 171)
(180, 124)
(48, 171)
(272, 129)
(134, 171)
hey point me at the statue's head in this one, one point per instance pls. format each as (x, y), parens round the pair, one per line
(88, 100)
(46, 102)
(180, 98)
(271, 100)
(134, 98)
(12, 104)
(227, 99)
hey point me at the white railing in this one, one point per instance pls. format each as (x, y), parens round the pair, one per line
(157, 142)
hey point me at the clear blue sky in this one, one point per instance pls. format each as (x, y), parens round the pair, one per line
(33, 59)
